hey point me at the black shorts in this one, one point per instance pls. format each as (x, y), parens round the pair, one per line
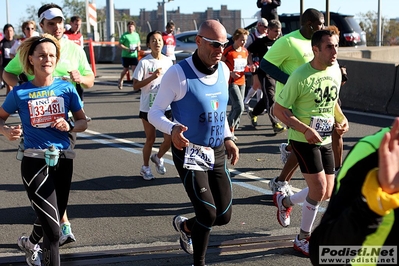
(144, 115)
(129, 61)
(313, 158)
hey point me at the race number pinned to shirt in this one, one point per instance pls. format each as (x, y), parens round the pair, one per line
(199, 158)
(323, 125)
(240, 64)
(45, 111)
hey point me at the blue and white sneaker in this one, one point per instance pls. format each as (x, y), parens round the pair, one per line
(185, 240)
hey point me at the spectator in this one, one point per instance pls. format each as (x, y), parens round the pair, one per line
(268, 9)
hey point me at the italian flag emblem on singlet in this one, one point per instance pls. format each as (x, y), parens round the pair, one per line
(215, 104)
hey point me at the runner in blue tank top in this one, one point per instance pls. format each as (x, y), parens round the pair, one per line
(197, 90)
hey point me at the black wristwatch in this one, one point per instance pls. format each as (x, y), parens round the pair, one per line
(71, 125)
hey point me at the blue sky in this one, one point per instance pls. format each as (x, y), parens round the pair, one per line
(389, 8)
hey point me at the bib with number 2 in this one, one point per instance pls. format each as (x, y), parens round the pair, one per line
(199, 158)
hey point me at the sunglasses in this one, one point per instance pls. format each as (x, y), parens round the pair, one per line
(29, 28)
(215, 44)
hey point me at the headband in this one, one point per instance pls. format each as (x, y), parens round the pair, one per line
(37, 42)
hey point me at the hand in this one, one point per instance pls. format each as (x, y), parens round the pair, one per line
(13, 132)
(388, 173)
(75, 76)
(232, 151)
(178, 139)
(342, 127)
(312, 136)
(61, 124)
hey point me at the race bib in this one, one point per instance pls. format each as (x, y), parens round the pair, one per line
(45, 111)
(323, 125)
(239, 64)
(152, 98)
(199, 158)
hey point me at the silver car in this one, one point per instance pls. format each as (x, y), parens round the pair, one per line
(185, 42)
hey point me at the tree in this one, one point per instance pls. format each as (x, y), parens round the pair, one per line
(369, 23)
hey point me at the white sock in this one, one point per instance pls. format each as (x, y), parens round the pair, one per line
(309, 212)
(250, 94)
(300, 196)
(259, 94)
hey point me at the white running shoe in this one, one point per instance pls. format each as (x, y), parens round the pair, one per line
(66, 235)
(146, 173)
(158, 164)
(280, 186)
(284, 154)
(283, 213)
(185, 240)
(31, 254)
(302, 245)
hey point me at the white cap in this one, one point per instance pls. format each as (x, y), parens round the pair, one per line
(51, 13)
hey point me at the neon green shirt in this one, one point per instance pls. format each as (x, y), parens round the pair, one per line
(288, 53)
(130, 40)
(311, 93)
(72, 58)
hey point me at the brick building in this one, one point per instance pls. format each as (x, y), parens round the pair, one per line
(153, 20)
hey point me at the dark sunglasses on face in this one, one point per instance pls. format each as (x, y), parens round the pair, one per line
(215, 44)
(29, 28)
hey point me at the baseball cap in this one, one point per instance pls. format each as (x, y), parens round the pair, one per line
(263, 22)
(51, 13)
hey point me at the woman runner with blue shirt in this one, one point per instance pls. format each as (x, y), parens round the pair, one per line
(43, 105)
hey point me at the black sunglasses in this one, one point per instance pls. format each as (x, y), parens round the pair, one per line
(215, 44)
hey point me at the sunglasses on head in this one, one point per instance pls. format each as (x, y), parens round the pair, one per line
(215, 44)
(29, 28)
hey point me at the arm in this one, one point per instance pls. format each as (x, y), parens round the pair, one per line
(86, 81)
(138, 84)
(288, 118)
(341, 123)
(10, 132)
(273, 71)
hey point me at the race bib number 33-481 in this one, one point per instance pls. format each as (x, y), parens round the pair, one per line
(45, 111)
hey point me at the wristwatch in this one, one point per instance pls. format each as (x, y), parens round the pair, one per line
(71, 125)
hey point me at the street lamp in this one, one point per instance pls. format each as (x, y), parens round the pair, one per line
(164, 12)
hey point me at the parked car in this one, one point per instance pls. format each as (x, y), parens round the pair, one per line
(350, 32)
(185, 41)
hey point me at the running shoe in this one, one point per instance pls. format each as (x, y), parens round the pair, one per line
(146, 173)
(254, 119)
(185, 240)
(66, 235)
(31, 254)
(280, 186)
(302, 245)
(284, 154)
(283, 213)
(278, 128)
(158, 164)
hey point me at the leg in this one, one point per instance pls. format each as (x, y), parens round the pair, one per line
(150, 135)
(237, 105)
(338, 147)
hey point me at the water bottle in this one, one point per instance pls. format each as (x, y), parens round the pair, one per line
(51, 156)
(21, 148)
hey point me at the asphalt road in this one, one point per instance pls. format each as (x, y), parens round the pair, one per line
(120, 219)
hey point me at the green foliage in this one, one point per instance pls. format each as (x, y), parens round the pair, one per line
(73, 8)
(390, 29)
